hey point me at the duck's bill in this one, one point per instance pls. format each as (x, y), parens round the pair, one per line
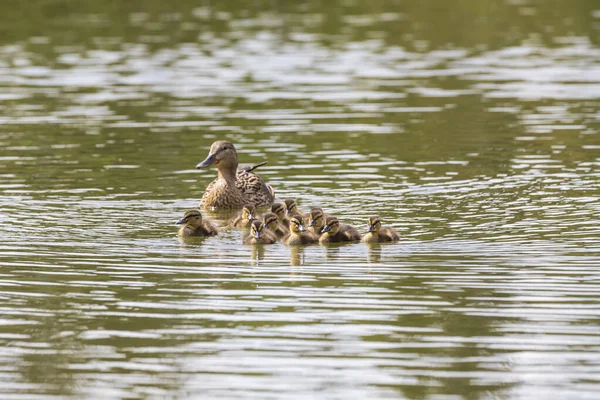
(370, 228)
(257, 235)
(311, 223)
(302, 228)
(210, 160)
(181, 221)
(325, 229)
(250, 217)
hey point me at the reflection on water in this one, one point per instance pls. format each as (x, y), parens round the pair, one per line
(472, 129)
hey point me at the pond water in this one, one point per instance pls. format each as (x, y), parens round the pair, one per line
(471, 127)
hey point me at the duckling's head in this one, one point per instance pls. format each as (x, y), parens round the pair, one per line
(256, 228)
(270, 220)
(374, 224)
(316, 217)
(279, 210)
(222, 154)
(296, 224)
(248, 212)
(332, 225)
(290, 207)
(191, 217)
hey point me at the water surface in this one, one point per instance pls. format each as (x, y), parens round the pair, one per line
(472, 129)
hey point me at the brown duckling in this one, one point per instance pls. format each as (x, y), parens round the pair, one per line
(334, 231)
(259, 234)
(195, 226)
(291, 208)
(298, 233)
(316, 220)
(244, 217)
(279, 210)
(377, 233)
(233, 186)
(272, 223)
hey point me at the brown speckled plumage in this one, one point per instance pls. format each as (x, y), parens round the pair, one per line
(194, 225)
(233, 186)
(377, 233)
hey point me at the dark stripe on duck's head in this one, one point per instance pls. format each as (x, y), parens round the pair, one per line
(269, 218)
(219, 150)
(278, 208)
(290, 206)
(188, 215)
(330, 223)
(256, 229)
(297, 221)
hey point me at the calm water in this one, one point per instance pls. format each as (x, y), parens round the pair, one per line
(471, 127)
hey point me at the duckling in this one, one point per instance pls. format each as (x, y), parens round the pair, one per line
(377, 233)
(244, 217)
(272, 223)
(195, 226)
(298, 234)
(233, 186)
(316, 220)
(259, 234)
(291, 208)
(279, 210)
(333, 231)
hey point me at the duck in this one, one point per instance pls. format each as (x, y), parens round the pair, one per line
(259, 234)
(279, 210)
(272, 223)
(377, 233)
(334, 231)
(195, 225)
(233, 186)
(316, 220)
(298, 233)
(244, 218)
(291, 208)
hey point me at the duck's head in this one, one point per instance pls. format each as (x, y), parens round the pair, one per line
(290, 207)
(248, 212)
(296, 224)
(256, 229)
(316, 217)
(373, 224)
(191, 217)
(332, 225)
(270, 220)
(222, 154)
(279, 210)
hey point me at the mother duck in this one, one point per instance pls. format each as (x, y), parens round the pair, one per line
(234, 187)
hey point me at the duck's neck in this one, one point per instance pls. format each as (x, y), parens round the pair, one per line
(228, 173)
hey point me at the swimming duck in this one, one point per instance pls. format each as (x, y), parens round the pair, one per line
(234, 186)
(195, 226)
(272, 223)
(244, 218)
(259, 234)
(316, 220)
(333, 231)
(377, 233)
(279, 210)
(298, 233)
(291, 208)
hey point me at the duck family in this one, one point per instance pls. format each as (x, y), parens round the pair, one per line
(242, 189)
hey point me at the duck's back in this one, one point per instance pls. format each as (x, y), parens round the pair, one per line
(350, 233)
(387, 234)
(253, 188)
